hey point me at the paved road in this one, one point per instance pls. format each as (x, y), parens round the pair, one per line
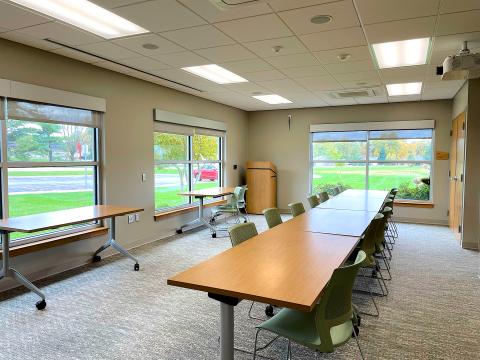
(30, 184)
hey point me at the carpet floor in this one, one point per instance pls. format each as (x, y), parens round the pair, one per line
(108, 311)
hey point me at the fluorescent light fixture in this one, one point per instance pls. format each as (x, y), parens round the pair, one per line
(215, 73)
(272, 99)
(85, 15)
(402, 53)
(404, 89)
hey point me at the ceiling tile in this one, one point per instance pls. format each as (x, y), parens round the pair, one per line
(307, 71)
(449, 6)
(77, 55)
(160, 15)
(255, 28)
(264, 75)
(108, 50)
(13, 17)
(365, 83)
(114, 67)
(28, 40)
(199, 37)
(186, 78)
(265, 48)
(404, 98)
(458, 22)
(375, 11)
(319, 83)
(453, 43)
(293, 60)
(331, 56)
(247, 66)
(400, 30)
(372, 99)
(247, 88)
(349, 67)
(282, 85)
(135, 43)
(327, 40)
(226, 53)
(303, 99)
(144, 63)
(342, 12)
(212, 13)
(182, 59)
(404, 74)
(450, 84)
(113, 3)
(325, 96)
(61, 33)
(431, 74)
(281, 5)
(358, 76)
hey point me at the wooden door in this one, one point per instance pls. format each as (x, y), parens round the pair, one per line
(457, 163)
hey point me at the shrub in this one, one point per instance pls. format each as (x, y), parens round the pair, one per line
(407, 190)
(329, 188)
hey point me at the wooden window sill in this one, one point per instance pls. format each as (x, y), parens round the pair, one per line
(56, 241)
(184, 210)
(417, 204)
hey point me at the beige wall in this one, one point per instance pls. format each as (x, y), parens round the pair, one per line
(128, 143)
(270, 139)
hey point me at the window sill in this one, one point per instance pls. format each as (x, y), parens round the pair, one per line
(56, 241)
(417, 204)
(184, 210)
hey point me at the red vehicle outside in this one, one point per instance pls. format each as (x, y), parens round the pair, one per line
(206, 173)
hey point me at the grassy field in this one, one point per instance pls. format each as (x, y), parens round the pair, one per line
(167, 197)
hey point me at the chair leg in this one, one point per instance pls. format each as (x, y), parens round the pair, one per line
(383, 280)
(371, 297)
(358, 344)
(289, 350)
(250, 313)
(255, 345)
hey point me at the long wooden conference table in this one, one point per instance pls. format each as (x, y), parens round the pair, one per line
(288, 265)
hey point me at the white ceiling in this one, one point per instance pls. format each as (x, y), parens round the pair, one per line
(241, 38)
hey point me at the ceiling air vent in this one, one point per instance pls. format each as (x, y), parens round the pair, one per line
(227, 4)
(355, 93)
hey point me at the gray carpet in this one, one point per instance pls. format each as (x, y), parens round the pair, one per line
(107, 311)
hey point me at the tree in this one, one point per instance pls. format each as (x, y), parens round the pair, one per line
(46, 138)
(172, 147)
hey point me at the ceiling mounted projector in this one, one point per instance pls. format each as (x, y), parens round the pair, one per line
(463, 66)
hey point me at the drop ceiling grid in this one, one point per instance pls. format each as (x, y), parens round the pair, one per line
(276, 9)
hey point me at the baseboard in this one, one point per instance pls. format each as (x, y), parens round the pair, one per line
(407, 220)
(470, 246)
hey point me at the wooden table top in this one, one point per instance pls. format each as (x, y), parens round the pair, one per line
(334, 221)
(56, 219)
(352, 203)
(282, 266)
(364, 193)
(211, 192)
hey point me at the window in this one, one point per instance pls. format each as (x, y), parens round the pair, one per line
(375, 160)
(185, 162)
(49, 161)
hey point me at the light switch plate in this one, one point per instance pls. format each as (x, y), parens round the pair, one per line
(144, 177)
(131, 218)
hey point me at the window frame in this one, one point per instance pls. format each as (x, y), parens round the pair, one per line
(367, 161)
(6, 165)
(190, 163)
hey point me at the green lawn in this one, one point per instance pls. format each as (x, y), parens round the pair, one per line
(167, 197)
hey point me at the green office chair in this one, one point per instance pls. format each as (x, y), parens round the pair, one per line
(329, 324)
(296, 208)
(233, 207)
(323, 196)
(313, 201)
(272, 215)
(242, 232)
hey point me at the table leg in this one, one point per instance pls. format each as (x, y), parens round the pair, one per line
(8, 271)
(200, 220)
(111, 242)
(227, 325)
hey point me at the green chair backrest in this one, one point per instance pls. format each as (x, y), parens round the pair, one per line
(323, 196)
(335, 306)
(272, 215)
(313, 201)
(371, 236)
(335, 191)
(241, 232)
(296, 208)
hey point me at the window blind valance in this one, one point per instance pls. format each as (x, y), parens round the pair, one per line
(378, 125)
(170, 122)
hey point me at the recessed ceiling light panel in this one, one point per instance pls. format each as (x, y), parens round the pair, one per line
(272, 99)
(85, 15)
(401, 53)
(215, 73)
(414, 88)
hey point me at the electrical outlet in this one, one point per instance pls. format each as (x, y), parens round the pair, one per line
(144, 177)
(137, 217)
(131, 218)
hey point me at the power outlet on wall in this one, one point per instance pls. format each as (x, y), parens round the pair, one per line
(137, 217)
(131, 218)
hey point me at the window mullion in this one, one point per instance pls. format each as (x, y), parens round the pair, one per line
(367, 164)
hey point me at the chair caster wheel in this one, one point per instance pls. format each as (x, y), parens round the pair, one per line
(214, 235)
(355, 331)
(179, 231)
(269, 310)
(97, 258)
(136, 267)
(374, 273)
(41, 304)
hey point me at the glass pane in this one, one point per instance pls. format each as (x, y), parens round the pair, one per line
(41, 141)
(402, 134)
(339, 151)
(170, 180)
(206, 147)
(412, 180)
(330, 136)
(38, 190)
(206, 176)
(170, 147)
(325, 176)
(407, 149)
